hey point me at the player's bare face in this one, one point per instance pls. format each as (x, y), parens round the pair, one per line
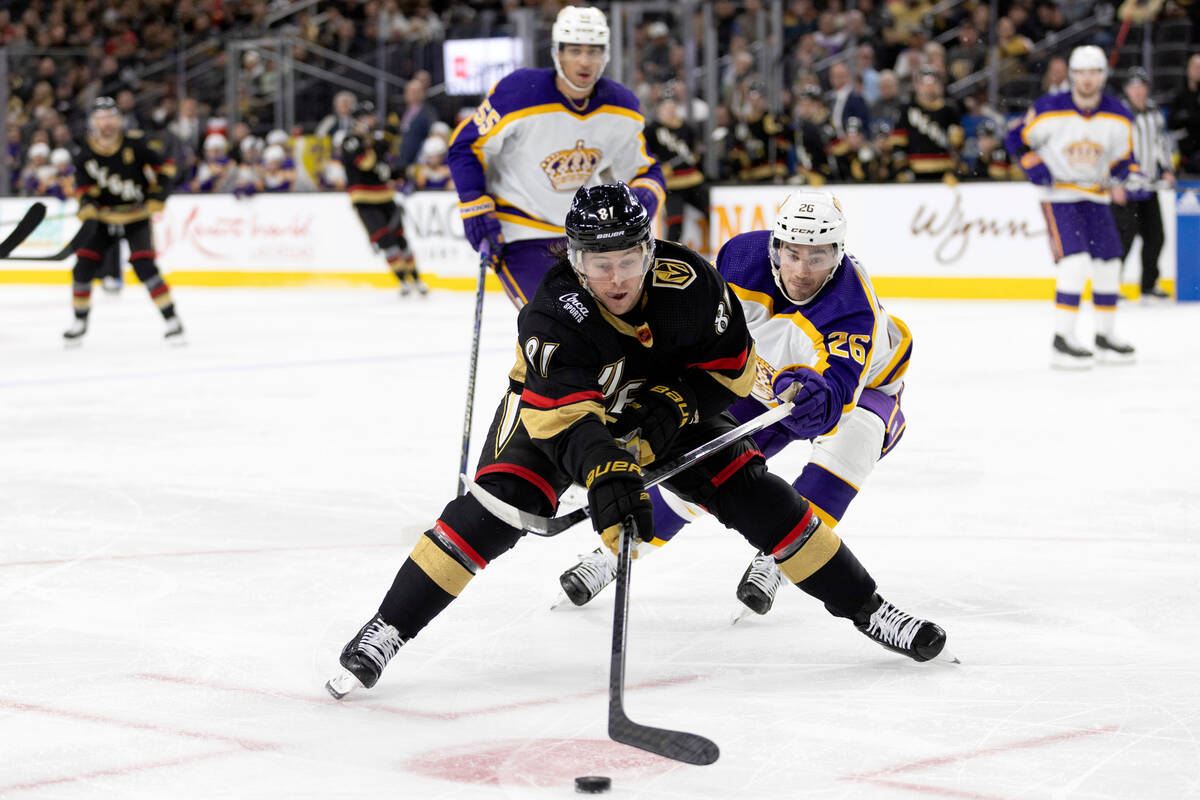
(106, 124)
(615, 277)
(1087, 83)
(581, 63)
(803, 268)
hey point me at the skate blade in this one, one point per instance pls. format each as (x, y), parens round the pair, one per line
(740, 614)
(946, 657)
(177, 341)
(342, 684)
(561, 600)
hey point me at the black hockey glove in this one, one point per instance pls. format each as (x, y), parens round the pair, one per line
(615, 491)
(656, 416)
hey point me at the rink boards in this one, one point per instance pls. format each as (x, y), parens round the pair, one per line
(929, 241)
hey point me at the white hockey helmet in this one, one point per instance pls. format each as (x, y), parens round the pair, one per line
(575, 25)
(215, 141)
(1088, 56)
(810, 218)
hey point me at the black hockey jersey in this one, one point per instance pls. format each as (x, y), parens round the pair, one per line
(929, 138)
(122, 183)
(578, 365)
(368, 173)
(675, 150)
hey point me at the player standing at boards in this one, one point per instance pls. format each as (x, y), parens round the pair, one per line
(625, 336)
(372, 192)
(1078, 147)
(120, 181)
(539, 135)
(820, 334)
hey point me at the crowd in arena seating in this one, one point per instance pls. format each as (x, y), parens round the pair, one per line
(834, 111)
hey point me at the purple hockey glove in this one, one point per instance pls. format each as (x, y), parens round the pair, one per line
(481, 226)
(647, 198)
(1036, 171)
(816, 411)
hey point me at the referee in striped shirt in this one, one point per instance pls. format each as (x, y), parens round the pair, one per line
(1141, 216)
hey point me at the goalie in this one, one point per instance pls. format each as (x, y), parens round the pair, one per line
(627, 341)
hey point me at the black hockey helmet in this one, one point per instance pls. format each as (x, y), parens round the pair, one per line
(105, 104)
(607, 217)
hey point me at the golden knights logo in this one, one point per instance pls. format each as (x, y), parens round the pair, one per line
(1084, 154)
(672, 274)
(570, 169)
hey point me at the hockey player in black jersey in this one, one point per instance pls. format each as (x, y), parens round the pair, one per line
(627, 337)
(372, 193)
(120, 181)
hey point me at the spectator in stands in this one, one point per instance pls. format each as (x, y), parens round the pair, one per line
(969, 53)
(1050, 17)
(812, 133)
(415, 123)
(799, 18)
(988, 160)
(431, 171)
(928, 134)
(62, 182)
(36, 173)
(844, 102)
(342, 118)
(1011, 49)
(275, 175)
(127, 105)
(829, 37)
(935, 59)
(890, 101)
(868, 76)
(1185, 118)
(1056, 78)
(216, 172)
(855, 160)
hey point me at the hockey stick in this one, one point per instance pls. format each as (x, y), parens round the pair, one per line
(552, 526)
(33, 217)
(689, 748)
(82, 235)
(484, 257)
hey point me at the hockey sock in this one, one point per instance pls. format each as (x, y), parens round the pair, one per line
(81, 299)
(828, 495)
(1106, 285)
(816, 560)
(438, 569)
(160, 293)
(1072, 273)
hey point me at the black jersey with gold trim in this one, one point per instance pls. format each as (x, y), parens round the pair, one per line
(367, 170)
(122, 182)
(578, 365)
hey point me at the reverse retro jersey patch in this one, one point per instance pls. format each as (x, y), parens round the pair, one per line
(672, 274)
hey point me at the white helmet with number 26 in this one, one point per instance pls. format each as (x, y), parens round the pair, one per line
(809, 218)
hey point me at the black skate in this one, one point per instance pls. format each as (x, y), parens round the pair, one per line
(901, 633)
(1112, 350)
(174, 332)
(586, 579)
(365, 656)
(760, 582)
(1066, 353)
(74, 334)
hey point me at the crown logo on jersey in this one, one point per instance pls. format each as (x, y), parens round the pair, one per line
(570, 169)
(1085, 153)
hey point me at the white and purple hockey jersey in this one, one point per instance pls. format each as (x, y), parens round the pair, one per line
(1073, 154)
(529, 149)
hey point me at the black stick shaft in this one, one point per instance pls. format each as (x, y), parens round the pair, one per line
(470, 406)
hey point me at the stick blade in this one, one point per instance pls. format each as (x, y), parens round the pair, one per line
(690, 748)
(33, 217)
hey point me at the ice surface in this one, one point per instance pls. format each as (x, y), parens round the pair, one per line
(189, 535)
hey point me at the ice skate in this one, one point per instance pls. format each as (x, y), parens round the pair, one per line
(74, 334)
(1066, 353)
(1111, 350)
(420, 286)
(111, 285)
(1154, 295)
(760, 582)
(899, 632)
(364, 657)
(586, 579)
(174, 331)
(405, 288)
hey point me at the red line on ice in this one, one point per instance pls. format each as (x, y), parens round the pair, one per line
(114, 771)
(324, 700)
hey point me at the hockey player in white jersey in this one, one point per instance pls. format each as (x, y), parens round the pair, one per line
(538, 136)
(1077, 147)
(824, 341)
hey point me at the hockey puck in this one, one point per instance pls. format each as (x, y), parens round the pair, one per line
(592, 784)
